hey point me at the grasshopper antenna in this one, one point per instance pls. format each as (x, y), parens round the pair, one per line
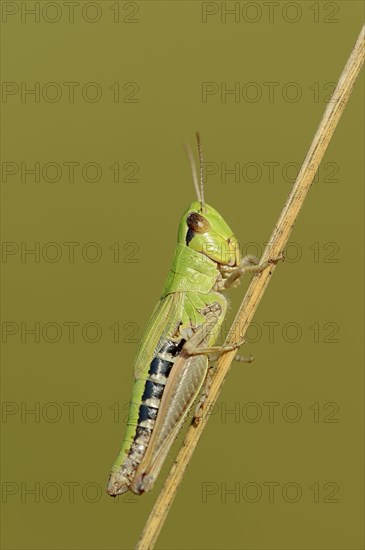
(193, 171)
(202, 202)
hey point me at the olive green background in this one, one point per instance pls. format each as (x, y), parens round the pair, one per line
(168, 51)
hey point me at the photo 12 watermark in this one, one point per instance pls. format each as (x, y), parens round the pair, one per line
(254, 492)
(215, 92)
(249, 12)
(71, 92)
(51, 13)
(72, 252)
(69, 171)
(58, 492)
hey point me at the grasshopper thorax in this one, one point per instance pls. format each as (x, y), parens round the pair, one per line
(204, 230)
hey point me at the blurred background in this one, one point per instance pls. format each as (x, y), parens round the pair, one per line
(98, 99)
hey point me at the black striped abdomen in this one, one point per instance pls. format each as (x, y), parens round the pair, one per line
(136, 444)
(158, 373)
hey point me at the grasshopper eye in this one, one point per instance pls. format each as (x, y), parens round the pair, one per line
(197, 223)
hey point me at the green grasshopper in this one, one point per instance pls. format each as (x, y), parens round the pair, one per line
(171, 366)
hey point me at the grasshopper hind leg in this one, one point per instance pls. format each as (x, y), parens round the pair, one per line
(201, 405)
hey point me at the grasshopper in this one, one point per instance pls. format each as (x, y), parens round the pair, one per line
(171, 366)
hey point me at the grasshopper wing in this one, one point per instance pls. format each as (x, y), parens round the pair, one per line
(163, 323)
(184, 383)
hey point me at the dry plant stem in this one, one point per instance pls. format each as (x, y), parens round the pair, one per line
(277, 242)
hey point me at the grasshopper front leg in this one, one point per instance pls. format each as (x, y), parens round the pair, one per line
(249, 264)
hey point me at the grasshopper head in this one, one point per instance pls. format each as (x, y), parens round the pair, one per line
(204, 230)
